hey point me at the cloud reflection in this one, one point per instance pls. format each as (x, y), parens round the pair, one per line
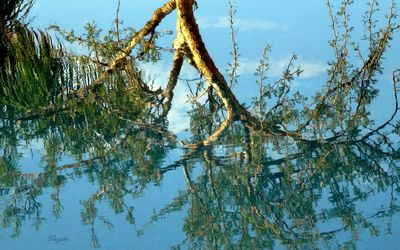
(241, 24)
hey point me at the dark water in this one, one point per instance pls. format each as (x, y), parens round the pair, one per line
(112, 170)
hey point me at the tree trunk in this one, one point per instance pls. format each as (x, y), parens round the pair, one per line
(206, 66)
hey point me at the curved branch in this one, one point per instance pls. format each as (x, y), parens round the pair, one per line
(119, 60)
(173, 80)
(190, 31)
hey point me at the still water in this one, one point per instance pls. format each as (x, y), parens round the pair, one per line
(110, 172)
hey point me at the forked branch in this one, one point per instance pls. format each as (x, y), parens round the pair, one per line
(119, 60)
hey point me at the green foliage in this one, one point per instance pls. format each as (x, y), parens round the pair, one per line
(103, 46)
(275, 104)
(34, 73)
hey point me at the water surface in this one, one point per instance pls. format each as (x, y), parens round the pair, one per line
(106, 172)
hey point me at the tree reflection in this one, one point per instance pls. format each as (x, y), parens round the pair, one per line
(292, 172)
(254, 190)
(112, 141)
(262, 201)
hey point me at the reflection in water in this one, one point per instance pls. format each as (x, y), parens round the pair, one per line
(248, 191)
(314, 183)
(114, 148)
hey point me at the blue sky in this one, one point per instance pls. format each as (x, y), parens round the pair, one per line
(276, 22)
(290, 26)
(295, 26)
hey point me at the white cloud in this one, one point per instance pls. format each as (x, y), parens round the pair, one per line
(177, 117)
(158, 72)
(311, 69)
(241, 24)
(247, 66)
(278, 65)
